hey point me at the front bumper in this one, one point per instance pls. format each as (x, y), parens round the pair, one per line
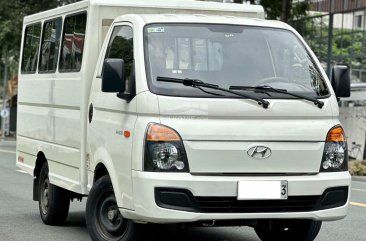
(146, 209)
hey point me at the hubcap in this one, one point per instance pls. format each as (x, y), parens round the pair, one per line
(44, 196)
(112, 215)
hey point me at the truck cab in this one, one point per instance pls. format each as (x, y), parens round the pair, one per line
(218, 119)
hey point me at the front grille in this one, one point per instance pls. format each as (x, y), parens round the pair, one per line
(232, 205)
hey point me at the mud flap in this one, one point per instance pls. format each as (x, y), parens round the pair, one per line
(35, 189)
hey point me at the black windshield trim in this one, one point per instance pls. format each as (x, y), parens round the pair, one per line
(260, 95)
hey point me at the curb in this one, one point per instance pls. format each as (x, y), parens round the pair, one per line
(359, 178)
(8, 143)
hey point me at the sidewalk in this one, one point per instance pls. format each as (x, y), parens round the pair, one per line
(359, 178)
(8, 142)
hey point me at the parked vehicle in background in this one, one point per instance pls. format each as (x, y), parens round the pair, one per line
(179, 112)
(355, 151)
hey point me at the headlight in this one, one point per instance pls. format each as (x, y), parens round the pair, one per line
(335, 155)
(164, 150)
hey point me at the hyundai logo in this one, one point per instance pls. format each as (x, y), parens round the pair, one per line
(259, 152)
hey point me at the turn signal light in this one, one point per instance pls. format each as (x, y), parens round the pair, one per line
(336, 134)
(158, 132)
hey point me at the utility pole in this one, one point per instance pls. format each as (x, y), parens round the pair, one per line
(4, 93)
(330, 40)
(286, 4)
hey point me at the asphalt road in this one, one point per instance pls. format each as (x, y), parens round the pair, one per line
(20, 221)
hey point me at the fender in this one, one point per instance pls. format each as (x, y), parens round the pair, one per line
(123, 196)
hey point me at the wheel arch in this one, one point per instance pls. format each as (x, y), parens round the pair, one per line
(104, 166)
(100, 170)
(40, 161)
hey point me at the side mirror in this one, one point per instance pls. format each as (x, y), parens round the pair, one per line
(341, 81)
(113, 76)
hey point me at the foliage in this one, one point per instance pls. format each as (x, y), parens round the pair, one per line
(11, 19)
(347, 44)
(274, 9)
(357, 168)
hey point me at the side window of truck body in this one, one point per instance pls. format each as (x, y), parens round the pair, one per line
(30, 48)
(121, 47)
(73, 39)
(50, 45)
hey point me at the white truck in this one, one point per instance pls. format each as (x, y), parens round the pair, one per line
(180, 112)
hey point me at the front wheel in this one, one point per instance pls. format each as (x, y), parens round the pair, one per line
(288, 230)
(103, 218)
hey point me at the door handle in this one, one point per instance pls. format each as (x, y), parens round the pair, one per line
(91, 109)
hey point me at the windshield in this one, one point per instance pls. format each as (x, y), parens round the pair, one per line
(229, 55)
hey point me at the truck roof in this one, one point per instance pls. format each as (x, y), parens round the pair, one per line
(182, 4)
(167, 4)
(203, 18)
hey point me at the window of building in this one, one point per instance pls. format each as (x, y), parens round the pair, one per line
(358, 21)
(50, 45)
(73, 43)
(31, 48)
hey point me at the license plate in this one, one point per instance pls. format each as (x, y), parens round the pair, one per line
(262, 190)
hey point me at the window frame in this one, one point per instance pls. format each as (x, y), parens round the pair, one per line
(110, 41)
(23, 47)
(158, 91)
(40, 46)
(132, 85)
(62, 41)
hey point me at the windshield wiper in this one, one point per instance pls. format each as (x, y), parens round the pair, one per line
(266, 88)
(195, 83)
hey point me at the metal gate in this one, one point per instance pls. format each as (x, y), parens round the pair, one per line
(335, 30)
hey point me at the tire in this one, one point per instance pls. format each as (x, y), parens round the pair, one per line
(54, 202)
(103, 218)
(289, 230)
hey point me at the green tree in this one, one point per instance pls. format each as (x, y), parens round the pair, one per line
(284, 10)
(11, 21)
